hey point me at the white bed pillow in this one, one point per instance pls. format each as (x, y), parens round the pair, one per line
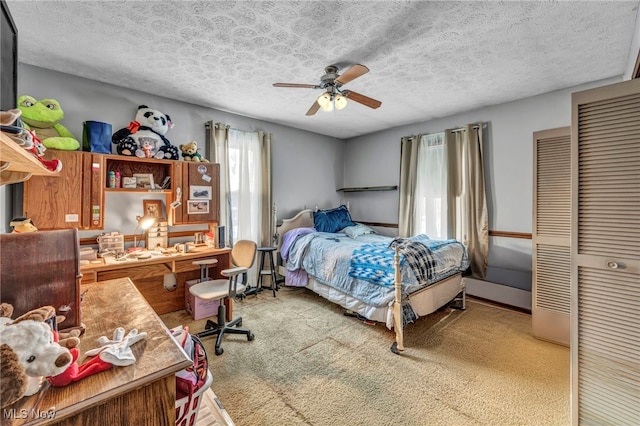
(357, 230)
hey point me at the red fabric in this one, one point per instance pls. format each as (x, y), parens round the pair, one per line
(77, 372)
(133, 126)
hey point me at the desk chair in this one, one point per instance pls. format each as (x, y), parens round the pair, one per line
(242, 257)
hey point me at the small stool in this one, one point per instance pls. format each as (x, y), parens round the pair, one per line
(204, 267)
(272, 268)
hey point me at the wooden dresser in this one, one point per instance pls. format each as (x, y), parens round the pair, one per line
(140, 394)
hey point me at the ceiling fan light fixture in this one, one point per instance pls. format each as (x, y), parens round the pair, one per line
(340, 102)
(335, 97)
(328, 107)
(324, 100)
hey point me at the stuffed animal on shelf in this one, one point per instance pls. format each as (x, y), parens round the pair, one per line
(43, 118)
(190, 152)
(26, 138)
(28, 354)
(145, 137)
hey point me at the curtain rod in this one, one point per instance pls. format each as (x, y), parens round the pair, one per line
(462, 128)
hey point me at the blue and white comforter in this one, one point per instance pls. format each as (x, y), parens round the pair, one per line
(328, 258)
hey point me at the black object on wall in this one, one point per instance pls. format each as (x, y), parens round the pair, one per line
(9, 60)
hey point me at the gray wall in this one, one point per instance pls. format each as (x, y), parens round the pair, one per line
(374, 159)
(299, 157)
(371, 160)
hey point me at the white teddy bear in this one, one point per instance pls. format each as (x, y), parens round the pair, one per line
(38, 355)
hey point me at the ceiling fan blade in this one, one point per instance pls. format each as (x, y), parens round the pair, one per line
(314, 108)
(352, 73)
(305, 86)
(362, 99)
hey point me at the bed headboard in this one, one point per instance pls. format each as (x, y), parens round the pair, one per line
(304, 219)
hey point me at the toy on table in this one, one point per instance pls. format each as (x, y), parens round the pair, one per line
(43, 118)
(111, 352)
(31, 350)
(145, 137)
(27, 355)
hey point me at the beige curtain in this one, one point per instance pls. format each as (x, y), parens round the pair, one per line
(407, 188)
(218, 147)
(268, 228)
(468, 217)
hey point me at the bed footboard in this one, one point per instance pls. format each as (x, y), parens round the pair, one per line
(398, 345)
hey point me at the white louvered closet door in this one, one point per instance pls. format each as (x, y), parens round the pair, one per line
(551, 304)
(605, 255)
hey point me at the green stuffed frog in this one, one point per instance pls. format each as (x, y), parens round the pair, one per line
(43, 117)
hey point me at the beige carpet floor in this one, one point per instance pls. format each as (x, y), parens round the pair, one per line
(311, 365)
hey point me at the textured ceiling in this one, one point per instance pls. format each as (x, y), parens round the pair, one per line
(426, 59)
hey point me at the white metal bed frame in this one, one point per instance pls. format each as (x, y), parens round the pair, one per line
(424, 301)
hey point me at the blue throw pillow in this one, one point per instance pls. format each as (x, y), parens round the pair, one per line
(332, 220)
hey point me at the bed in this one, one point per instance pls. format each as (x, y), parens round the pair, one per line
(383, 279)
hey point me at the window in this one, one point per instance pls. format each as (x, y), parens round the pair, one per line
(430, 212)
(245, 185)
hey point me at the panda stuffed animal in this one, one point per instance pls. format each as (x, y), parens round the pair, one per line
(145, 137)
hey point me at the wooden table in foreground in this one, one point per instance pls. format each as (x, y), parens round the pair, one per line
(139, 394)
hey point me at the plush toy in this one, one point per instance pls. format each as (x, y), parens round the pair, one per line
(111, 352)
(190, 152)
(6, 312)
(27, 139)
(22, 225)
(145, 137)
(43, 118)
(67, 339)
(28, 355)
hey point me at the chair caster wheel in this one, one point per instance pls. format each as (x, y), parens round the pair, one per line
(250, 336)
(219, 351)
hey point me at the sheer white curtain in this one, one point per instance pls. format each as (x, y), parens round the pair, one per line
(245, 185)
(442, 190)
(430, 209)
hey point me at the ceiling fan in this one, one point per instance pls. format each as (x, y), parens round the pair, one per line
(334, 96)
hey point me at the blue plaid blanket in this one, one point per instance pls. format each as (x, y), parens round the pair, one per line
(374, 262)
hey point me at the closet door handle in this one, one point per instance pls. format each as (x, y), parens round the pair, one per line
(615, 265)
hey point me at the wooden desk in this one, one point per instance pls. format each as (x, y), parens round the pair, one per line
(139, 394)
(148, 275)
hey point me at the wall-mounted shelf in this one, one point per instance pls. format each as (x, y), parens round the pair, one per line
(17, 164)
(368, 188)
